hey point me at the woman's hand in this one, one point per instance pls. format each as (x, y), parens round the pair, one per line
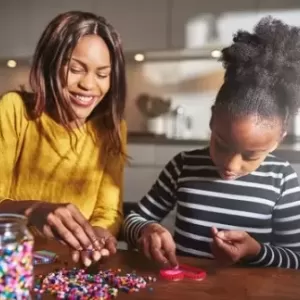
(65, 223)
(108, 247)
(157, 243)
(229, 247)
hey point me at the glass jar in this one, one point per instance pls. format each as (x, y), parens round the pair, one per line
(16, 259)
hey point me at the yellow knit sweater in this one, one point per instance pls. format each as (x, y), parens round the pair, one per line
(38, 162)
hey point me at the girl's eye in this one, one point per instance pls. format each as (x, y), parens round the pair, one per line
(221, 146)
(102, 75)
(249, 158)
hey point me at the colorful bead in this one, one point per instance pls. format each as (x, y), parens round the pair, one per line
(77, 284)
(16, 270)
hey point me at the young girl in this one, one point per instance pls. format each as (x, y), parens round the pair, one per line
(62, 147)
(235, 202)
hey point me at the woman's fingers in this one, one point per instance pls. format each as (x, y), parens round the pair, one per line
(64, 232)
(75, 256)
(88, 231)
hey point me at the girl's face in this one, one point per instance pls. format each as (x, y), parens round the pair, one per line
(238, 146)
(88, 77)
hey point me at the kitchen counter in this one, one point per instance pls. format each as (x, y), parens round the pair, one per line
(287, 150)
(145, 138)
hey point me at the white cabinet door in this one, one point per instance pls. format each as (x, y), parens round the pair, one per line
(287, 11)
(42, 12)
(138, 181)
(22, 23)
(187, 14)
(164, 153)
(141, 23)
(277, 5)
(141, 155)
(14, 28)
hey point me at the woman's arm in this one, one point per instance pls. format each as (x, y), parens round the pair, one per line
(62, 221)
(108, 212)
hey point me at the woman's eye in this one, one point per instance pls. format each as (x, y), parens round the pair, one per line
(76, 70)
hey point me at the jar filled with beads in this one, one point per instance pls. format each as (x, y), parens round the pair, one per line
(16, 257)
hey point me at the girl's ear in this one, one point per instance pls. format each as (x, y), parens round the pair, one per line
(277, 144)
(274, 148)
(212, 116)
(283, 135)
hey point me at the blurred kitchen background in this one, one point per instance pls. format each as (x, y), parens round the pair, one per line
(172, 49)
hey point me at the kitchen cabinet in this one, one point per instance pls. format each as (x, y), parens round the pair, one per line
(146, 163)
(138, 181)
(141, 23)
(273, 5)
(42, 12)
(22, 23)
(287, 11)
(14, 28)
(140, 173)
(230, 22)
(184, 13)
(141, 154)
(232, 15)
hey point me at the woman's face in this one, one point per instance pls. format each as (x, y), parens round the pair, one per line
(88, 77)
(238, 146)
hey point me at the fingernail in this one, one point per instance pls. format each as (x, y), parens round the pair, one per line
(97, 244)
(90, 248)
(75, 257)
(96, 255)
(104, 252)
(221, 234)
(87, 262)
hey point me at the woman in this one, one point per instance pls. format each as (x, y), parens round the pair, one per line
(63, 146)
(235, 202)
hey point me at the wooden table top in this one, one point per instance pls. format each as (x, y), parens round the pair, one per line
(222, 283)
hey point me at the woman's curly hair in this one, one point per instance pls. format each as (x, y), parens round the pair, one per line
(262, 72)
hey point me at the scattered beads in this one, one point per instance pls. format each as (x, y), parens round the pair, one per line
(77, 284)
(16, 270)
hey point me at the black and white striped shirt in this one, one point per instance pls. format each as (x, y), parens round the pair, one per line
(265, 203)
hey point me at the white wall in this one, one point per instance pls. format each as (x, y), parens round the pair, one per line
(191, 84)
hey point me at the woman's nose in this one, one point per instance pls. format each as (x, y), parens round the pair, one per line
(87, 82)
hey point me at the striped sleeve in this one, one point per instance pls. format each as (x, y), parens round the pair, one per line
(156, 204)
(284, 249)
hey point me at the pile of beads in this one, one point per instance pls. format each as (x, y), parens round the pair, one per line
(77, 284)
(16, 270)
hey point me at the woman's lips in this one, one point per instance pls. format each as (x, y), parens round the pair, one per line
(82, 100)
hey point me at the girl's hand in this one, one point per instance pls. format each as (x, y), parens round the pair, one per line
(229, 247)
(157, 243)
